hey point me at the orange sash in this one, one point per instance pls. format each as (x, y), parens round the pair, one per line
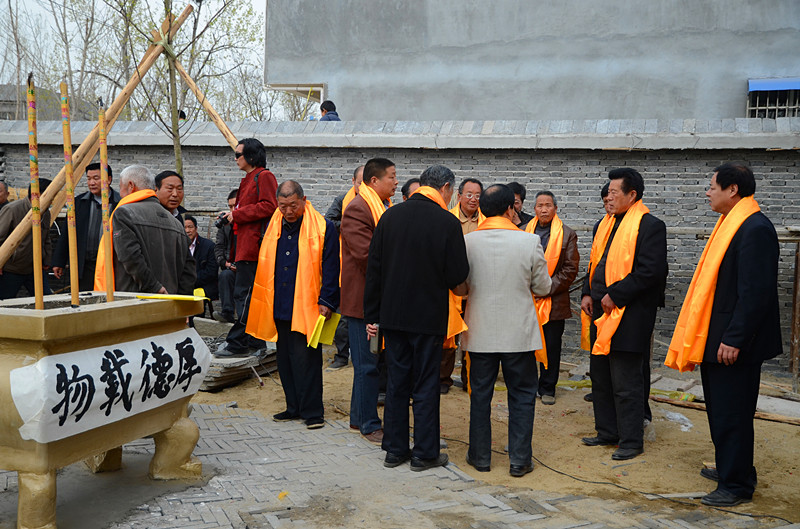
(376, 205)
(455, 323)
(456, 211)
(310, 243)
(691, 331)
(348, 198)
(502, 223)
(619, 264)
(100, 271)
(552, 254)
(345, 201)
(598, 247)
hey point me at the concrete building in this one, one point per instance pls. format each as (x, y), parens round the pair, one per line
(384, 60)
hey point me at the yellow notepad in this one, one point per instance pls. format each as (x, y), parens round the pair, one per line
(177, 297)
(324, 330)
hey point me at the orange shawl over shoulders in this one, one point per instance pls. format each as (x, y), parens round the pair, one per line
(305, 313)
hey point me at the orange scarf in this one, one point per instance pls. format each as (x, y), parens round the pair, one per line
(100, 271)
(455, 323)
(348, 198)
(310, 243)
(502, 223)
(552, 254)
(691, 331)
(457, 212)
(606, 223)
(619, 264)
(345, 201)
(376, 205)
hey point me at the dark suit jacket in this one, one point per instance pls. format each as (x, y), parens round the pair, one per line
(206, 264)
(82, 204)
(356, 229)
(642, 291)
(745, 311)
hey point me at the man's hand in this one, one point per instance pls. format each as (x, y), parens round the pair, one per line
(372, 330)
(586, 305)
(325, 311)
(608, 304)
(726, 354)
(162, 290)
(515, 219)
(227, 214)
(58, 272)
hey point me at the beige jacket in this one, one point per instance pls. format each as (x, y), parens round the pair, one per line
(505, 267)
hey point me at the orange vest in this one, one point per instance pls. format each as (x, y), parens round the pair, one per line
(100, 270)
(305, 313)
(691, 331)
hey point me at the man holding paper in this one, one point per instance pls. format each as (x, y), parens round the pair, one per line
(297, 281)
(730, 324)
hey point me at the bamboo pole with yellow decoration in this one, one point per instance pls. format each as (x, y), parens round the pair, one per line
(36, 214)
(106, 238)
(71, 231)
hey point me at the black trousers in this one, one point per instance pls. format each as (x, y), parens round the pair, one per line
(731, 394)
(86, 281)
(300, 368)
(238, 340)
(519, 373)
(548, 378)
(341, 339)
(412, 366)
(617, 397)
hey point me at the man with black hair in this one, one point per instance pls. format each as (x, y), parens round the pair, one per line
(169, 190)
(409, 187)
(507, 266)
(255, 203)
(730, 324)
(328, 111)
(417, 255)
(88, 229)
(521, 219)
(202, 250)
(18, 270)
(224, 247)
(622, 293)
(467, 209)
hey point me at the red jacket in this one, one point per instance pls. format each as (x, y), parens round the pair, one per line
(255, 204)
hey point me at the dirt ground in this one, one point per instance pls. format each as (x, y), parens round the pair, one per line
(670, 464)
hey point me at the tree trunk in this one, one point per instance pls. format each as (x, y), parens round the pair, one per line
(173, 103)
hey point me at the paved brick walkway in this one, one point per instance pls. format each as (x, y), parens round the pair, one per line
(281, 475)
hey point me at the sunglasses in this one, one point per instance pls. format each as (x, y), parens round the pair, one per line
(237, 155)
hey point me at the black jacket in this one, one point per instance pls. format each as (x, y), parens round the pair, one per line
(416, 256)
(206, 267)
(745, 311)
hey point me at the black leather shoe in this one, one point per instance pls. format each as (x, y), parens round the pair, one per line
(394, 460)
(518, 471)
(588, 397)
(598, 441)
(418, 465)
(621, 454)
(285, 416)
(710, 473)
(722, 498)
(479, 468)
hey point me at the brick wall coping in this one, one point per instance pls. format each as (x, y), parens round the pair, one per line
(614, 134)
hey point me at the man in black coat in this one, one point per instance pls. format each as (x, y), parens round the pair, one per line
(617, 377)
(202, 250)
(88, 229)
(744, 330)
(416, 256)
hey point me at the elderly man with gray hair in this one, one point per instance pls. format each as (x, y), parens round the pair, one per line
(151, 250)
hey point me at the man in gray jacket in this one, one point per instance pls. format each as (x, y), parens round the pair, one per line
(151, 249)
(506, 266)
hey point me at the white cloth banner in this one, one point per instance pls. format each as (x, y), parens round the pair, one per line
(66, 394)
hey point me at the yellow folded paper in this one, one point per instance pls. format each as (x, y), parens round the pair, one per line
(177, 297)
(324, 330)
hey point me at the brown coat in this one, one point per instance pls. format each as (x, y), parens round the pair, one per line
(564, 275)
(356, 230)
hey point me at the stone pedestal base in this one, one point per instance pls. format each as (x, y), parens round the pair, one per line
(108, 461)
(36, 508)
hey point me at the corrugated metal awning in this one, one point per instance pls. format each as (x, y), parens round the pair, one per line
(764, 85)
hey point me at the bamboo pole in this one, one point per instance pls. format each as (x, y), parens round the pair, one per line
(56, 196)
(106, 238)
(212, 113)
(36, 214)
(71, 233)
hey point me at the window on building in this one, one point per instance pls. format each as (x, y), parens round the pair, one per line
(773, 98)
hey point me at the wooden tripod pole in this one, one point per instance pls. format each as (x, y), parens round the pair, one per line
(83, 155)
(215, 117)
(36, 213)
(106, 238)
(71, 233)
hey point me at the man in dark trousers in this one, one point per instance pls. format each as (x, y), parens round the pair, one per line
(202, 250)
(417, 255)
(737, 277)
(88, 229)
(224, 249)
(255, 204)
(625, 287)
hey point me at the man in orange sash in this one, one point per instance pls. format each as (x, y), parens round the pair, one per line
(560, 243)
(730, 324)
(334, 214)
(507, 266)
(297, 280)
(358, 224)
(417, 255)
(622, 293)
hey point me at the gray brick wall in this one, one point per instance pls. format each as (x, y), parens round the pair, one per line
(675, 182)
